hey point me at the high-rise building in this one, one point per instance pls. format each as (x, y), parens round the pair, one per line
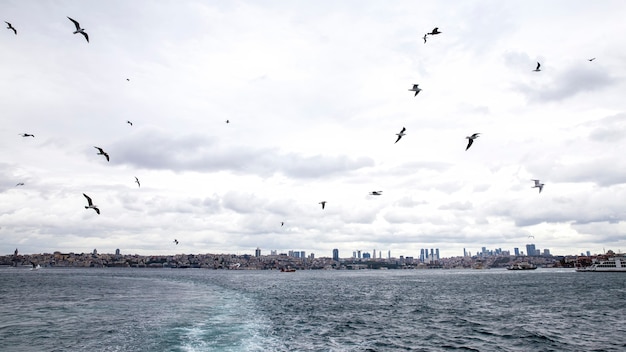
(117, 251)
(422, 257)
(437, 254)
(516, 250)
(464, 252)
(257, 252)
(302, 254)
(336, 254)
(359, 253)
(530, 249)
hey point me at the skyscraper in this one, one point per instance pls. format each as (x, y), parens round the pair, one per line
(257, 252)
(336, 254)
(516, 250)
(530, 249)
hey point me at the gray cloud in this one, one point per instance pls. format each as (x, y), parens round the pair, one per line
(566, 83)
(156, 150)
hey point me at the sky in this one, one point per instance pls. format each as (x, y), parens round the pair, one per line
(315, 93)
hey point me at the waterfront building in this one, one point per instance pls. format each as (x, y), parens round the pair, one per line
(257, 252)
(530, 249)
(437, 254)
(336, 254)
(302, 254)
(423, 258)
(516, 251)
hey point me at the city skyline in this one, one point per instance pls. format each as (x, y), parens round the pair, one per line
(240, 118)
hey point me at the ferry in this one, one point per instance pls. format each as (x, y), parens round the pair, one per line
(615, 263)
(522, 266)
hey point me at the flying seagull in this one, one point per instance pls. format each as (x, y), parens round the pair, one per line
(376, 193)
(128, 79)
(434, 31)
(137, 181)
(20, 184)
(102, 152)
(415, 89)
(27, 135)
(323, 203)
(79, 30)
(593, 58)
(91, 206)
(537, 69)
(282, 223)
(11, 27)
(400, 134)
(538, 185)
(176, 241)
(129, 122)
(425, 35)
(471, 140)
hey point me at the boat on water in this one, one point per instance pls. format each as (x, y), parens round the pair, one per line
(522, 266)
(287, 270)
(616, 263)
(35, 266)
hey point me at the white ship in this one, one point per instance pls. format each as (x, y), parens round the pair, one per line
(615, 263)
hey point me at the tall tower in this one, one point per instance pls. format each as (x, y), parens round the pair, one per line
(257, 252)
(336, 254)
(530, 249)
(436, 253)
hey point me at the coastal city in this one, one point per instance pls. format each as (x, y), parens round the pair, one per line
(298, 260)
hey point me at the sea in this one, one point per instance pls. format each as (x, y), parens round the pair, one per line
(138, 309)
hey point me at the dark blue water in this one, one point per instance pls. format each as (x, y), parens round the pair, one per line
(385, 310)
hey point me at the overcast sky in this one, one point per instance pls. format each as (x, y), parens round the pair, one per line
(315, 92)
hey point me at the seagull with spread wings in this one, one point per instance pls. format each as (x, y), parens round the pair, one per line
(91, 205)
(538, 184)
(11, 27)
(78, 29)
(102, 152)
(415, 89)
(471, 140)
(400, 134)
